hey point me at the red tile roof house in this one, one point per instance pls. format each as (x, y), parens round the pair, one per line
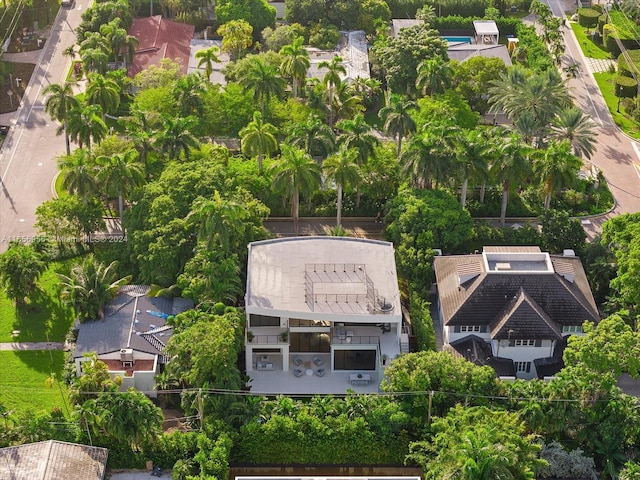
(160, 38)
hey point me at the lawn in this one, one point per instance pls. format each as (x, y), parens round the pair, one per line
(605, 83)
(42, 318)
(590, 48)
(24, 384)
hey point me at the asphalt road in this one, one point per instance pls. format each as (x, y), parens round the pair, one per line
(28, 158)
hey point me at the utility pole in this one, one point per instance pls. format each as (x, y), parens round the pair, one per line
(429, 411)
(200, 408)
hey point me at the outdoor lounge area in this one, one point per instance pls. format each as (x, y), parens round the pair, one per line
(319, 310)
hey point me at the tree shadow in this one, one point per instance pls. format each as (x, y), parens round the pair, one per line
(42, 361)
(43, 318)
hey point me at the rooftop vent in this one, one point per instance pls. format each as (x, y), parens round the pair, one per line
(503, 266)
(568, 252)
(126, 355)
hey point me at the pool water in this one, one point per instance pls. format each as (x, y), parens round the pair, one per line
(457, 39)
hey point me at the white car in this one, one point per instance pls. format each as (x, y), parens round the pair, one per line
(67, 3)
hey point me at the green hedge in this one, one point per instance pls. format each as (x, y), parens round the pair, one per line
(610, 35)
(602, 21)
(421, 322)
(626, 87)
(538, 55)
(623, 66)
(506, 25)
(588, 17)
(597, 7)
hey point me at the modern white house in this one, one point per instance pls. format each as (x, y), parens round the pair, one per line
(131, 337)
(323, 314)
(513, 307)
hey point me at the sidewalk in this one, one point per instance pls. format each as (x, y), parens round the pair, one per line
(32, 346)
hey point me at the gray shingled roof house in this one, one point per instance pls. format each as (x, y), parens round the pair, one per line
(519, 301)
(132, 336)
(53, 460)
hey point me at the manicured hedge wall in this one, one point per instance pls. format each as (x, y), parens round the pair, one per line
(506, 26)
(588, 17)
(609, 36)
(602, 21)
(626, 87)
(623, 66)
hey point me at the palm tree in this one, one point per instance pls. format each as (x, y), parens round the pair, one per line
(264, 80)
(358, 134)
(120, 173)
(434, 75)
(86, 124)
(257, 139)
(472, 163)
(208, 57)
(295, 62)
(189, 93)
(556, 167)
(103, 91)
(334, 67)
(314, 136)
(90, 286)
(397, 118)
(216, 217)
(59, 103)
(78, 174)
(475, 458)
(340, 102)
(94, 60)
(510, 168)
(573, 125)
(176, 137)
(343, 169)
(139, 131)
(115, 35)
(295, 172)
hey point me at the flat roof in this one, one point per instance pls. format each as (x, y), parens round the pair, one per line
(485, 27)
(321, 277)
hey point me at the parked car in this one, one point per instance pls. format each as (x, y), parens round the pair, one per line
(4, 129)
(67, 3)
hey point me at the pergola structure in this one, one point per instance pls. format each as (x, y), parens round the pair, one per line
(486, 32)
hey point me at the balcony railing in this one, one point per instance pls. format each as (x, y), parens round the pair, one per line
(269, 339)
(356, 340)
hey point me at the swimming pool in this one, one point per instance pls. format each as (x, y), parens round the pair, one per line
(457, 39)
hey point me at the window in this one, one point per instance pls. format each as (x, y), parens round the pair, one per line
(263, 321)
(523, 366)
(525, 343)
(572, 329)
(354, 359)
(470, 328)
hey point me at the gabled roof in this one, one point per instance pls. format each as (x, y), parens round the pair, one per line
(552, 297)
(160, 38)
(523, 318)
(132, 320)
(465, 51)
(476, 349)
(398, 24)
(53, 460)
(485, 27)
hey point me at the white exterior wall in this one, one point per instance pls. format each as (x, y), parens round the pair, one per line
(450, 336)
(523, 354)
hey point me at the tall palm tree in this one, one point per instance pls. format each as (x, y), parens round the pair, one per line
(94, 60)
(573, 125)
(397, 118)
(60, 101)
(510, 168)
(258, 139)
(556, 167)
(216, 217)
(115, 35)
(295, 63)
(314, 136)
(472, 163)
(264, 80)
(139, 131)
(434, 75)
(295, 172)
(340, 102)
(208, 57)
(103, 91)
(90, 286)
(189, 93)
(78, 174)
(343, 169)
(86, 124)
(358, 134)
(120, 173)
(176, 136)
(334, 68)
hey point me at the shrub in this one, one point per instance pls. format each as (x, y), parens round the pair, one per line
(623, 65)
(602, 21)
(588, 17)
(626, 87)
(597, 7)
(421, 322)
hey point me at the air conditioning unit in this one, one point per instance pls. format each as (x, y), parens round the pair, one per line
(126, 355)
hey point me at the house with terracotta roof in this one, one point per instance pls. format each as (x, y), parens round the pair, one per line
(53, 460)
(512, 307)
(323, 315)
(131, 337)
(158, 39)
